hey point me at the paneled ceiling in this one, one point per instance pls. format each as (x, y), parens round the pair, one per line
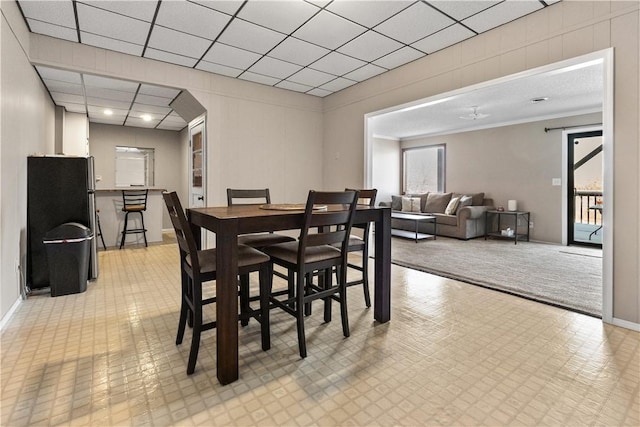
(316, 47)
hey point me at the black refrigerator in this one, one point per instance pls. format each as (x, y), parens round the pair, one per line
(60, 189)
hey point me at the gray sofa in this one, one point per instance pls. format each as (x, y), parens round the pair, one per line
(465, 222)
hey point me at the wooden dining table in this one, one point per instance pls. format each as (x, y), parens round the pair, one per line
(227, 222)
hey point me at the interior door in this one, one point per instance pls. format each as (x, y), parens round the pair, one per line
(585, 191)
(197, 163)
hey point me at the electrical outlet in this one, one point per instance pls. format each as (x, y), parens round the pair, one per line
(530, 224)
(556, 181)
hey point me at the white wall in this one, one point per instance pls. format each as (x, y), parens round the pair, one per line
(75, 135)
(564, 30)
(386, 158)
(26, 127)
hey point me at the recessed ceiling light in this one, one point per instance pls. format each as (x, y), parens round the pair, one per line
(146, 117)
(541, 99)
(108, 112)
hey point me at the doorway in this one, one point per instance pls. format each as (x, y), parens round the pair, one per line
(197, 163)
(584, 182)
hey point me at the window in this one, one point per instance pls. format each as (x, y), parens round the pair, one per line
(423, 169)
(134, 167)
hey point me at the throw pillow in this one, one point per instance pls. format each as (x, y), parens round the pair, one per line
(437, 202)
(452, 206)
(477, 199)
(423, 199)
(411, 204)
(464, 201)
(396, 203)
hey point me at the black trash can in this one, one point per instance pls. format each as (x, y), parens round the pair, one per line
(68, 252)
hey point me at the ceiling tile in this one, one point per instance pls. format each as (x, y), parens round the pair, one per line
(414, 23)
(399, 57)
(317, 30)
(370, 46)
(98, 111)
(219, 69)
(164, 92)
(310, 77)
(74, 108)
(53, 30)
(115, 95)
(59, 98)
(192, 18)
(462, 9)
(169, 57)
(368, 12)
(230, 7)
(365, 72)
(274, 68)
(338, 84)
(107, 120)
(58, 13)
(320, 3)
(177, 42)
(231, 56)
(108, 103)
(500, 14)
(111, 44)
(258, 78)
(113, 25)
(152, 100)
(59, 75)
(444, 38)
(143, 10)
(170, 126)
(151, 109)
(294, 86)
(174, 118)
(298, 51)
(107, 83)
(337, 64)
(284, 16)
(251, 37)
(63, 87)
(138, 122)
(319, 92)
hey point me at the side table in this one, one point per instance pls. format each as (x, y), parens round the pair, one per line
(518, 233)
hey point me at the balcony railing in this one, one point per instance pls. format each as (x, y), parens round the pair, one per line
(583, 199)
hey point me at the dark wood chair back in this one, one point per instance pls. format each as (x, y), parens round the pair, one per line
(261, 194)
(184, 235)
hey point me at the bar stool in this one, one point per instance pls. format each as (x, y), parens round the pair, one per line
(100, 229)
(134, 201)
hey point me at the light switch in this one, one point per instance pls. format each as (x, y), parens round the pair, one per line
(556, 181)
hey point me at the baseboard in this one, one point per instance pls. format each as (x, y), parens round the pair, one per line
(7, 317)
(626, 324)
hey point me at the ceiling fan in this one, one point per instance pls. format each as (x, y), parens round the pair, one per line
(474, 115)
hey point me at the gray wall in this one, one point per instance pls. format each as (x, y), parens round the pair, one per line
(512, 162)
(27, 127)
(170, 171)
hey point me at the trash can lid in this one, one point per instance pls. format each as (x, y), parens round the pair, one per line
(66, 232)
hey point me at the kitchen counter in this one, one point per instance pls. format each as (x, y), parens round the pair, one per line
(109, 206)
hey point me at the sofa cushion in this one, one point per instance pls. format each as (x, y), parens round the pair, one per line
(396, 203)
(446, 219)
(452, 206)
(411, 204)
(437, 202)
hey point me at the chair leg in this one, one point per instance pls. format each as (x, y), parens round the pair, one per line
(327, 283)
(245, 309)
(100, 232)
(124, 231)
(300, 288)
(365, 277)
(195, 339)
(342, 286)
(266, 284)
(144, 230)
(184, 309)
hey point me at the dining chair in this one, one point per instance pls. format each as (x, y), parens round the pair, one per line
(198, 266)
(314, 251)
(255, 197)
(361, 244)
(134, 201)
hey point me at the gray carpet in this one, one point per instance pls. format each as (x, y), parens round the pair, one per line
(568, 277)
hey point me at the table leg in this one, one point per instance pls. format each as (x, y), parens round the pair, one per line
(382, 293)
(227, 302)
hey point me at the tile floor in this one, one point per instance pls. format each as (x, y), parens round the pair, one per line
(453, 354)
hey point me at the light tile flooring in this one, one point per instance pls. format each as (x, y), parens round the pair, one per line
(453, 354)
